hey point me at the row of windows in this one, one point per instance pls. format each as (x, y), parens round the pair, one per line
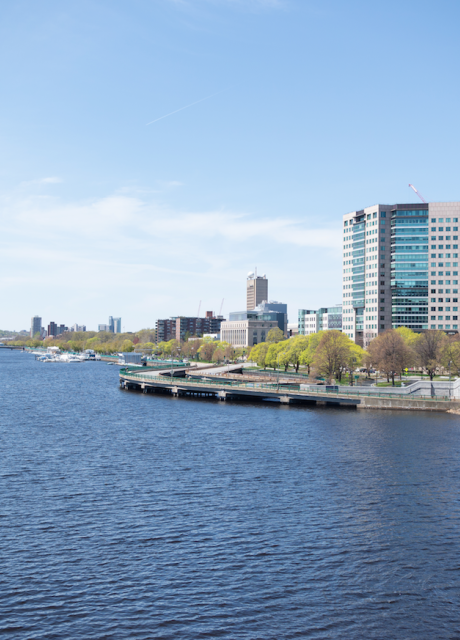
(441, 273)
(419, 212)
(441, 229)
(447, 327)
(442, 282)
(442, 291)
(441, 256)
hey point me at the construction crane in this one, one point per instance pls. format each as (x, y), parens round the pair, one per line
(419, 194)
(199, 307)
(221, 306)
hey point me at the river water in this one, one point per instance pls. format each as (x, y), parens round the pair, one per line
(126, 515)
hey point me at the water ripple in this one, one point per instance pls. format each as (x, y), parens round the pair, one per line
(131, 516)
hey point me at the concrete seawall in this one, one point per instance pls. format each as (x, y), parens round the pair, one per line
(409, 404)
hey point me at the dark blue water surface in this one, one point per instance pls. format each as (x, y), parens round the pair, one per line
(126, 515)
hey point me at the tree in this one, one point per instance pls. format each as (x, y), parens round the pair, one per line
(307, 356)
(206, 351)
(186, 349)
(146, 335)
(127, 346)
(277, 355)
(409, 336)
(368, 362)
(295, 347)
(451, 355)
(229, 352)
(354, 359)
(218, 355)
(259, 354)
(275, 335)
(429, 349)
(174, 347)
(195, 347)
(391, 353)
(332, 354)
(240, 353)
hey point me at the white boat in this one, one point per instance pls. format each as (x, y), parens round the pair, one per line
(68, 357)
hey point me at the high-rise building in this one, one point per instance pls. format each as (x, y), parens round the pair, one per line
(110, 324)
(78, 327)
(52, 329)
(400, 268)
(323, 319)
(117, 325)
(256, 290)
(35, 326)
(55, 329)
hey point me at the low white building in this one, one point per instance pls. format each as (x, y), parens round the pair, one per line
(323, 319)
(246, 333)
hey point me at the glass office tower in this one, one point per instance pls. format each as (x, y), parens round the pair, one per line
(409, 267)
(400, 268)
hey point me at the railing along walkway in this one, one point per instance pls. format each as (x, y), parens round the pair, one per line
(272, 388)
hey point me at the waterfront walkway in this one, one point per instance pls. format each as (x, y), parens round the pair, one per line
(226, 389)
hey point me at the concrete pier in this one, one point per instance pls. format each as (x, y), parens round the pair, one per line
(224, 389)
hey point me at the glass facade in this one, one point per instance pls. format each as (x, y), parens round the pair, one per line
(254, 314)
(409, 268)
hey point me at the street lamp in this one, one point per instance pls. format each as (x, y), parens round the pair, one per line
(450, 362)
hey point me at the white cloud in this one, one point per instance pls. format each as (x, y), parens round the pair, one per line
(51, 180)
(132, 219)
(124, 249)
(41, 181)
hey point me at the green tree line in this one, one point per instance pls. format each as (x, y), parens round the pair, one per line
(332, 355)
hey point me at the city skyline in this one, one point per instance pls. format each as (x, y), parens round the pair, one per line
(264, 148)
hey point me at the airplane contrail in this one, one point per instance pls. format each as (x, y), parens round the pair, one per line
(182, 108)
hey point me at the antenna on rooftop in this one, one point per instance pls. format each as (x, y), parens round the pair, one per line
(419, 194)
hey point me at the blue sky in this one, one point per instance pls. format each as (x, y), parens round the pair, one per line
(317, 109)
